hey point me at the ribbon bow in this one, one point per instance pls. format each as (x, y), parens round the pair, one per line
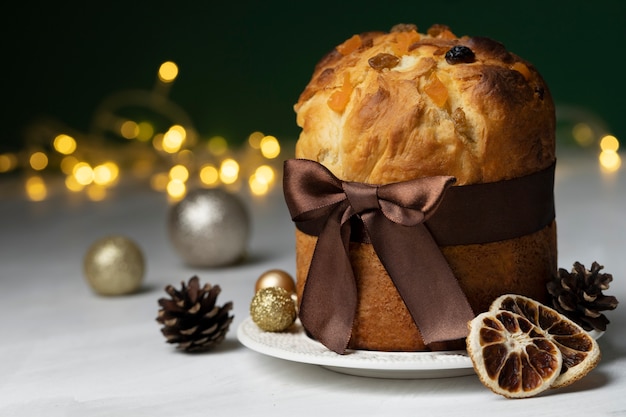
(393, 217)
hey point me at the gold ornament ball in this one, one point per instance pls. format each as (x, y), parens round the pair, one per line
(276, 278)
(114, 265)
(272, 309)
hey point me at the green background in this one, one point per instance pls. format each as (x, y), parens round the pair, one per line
(243, 64)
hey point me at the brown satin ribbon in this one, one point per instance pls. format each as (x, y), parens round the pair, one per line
(405, 223)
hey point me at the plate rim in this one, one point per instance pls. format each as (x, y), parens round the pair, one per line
(356, 359)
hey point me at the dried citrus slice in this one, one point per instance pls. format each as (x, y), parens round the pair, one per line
(511, 355)
(580, 351)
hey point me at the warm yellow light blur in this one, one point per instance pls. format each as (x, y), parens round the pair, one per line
(179, 173)
(38, 161)
(229, 171)
(583, 134)
(173, 139)
(129, 130)
(168, 71)
(8, 162)
(176, 189)
(105, 174)
(157, 141)
(270, 148)
(254, 140)
(36, 189)
(83, 173)
(96, 192)
(610, 161)
(258, 186)
(67, 164)
(113, 169)
(209, 175)
(609, 143)
(145, 132)
(64, 144)
(265, 173)
(159, 181)
(73, 185)
(217, 145)
(180, 129)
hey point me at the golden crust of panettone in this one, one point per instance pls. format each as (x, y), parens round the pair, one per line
(497, 122)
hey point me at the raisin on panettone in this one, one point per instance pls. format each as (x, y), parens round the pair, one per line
(579, 295)
(191, 318)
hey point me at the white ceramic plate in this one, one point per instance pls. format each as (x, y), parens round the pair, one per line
(294, 345)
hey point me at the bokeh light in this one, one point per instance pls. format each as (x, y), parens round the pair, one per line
(73, 185)
(168, 71)
(157, 141)
(83, 173)
(265, 173)
(257, 185)
(96, 192)
(261, 180)
(217, 145)
(8, 162)
(67, 164)
(609, 143)
(174, 139)
(179, 173)
(610, 161)
(146, 131)
(176, 189)
(129, 130)
(36, 189)
(64, 144)
(209, 175)
(105, 174)
(583, 134)
(254, 139)
(270, 148)
(229, 171)
(38, 161)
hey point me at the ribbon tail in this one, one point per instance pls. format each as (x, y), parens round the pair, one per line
(329, 298)
(423, 279)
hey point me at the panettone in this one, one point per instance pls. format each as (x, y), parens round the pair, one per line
(383, 108)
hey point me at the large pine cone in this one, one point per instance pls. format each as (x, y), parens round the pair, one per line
(578, 295)
(191, 318)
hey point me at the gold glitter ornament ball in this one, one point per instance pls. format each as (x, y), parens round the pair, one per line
(272, 309)
(276, 278)
(114, 265)
(209, 228)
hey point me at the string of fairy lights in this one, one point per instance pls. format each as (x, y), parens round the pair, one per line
(171, 161)
(165, 150)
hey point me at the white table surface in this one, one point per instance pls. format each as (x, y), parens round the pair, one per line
(65, 351)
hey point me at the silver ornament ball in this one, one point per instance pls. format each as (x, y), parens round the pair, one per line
(209, 228)
(114, 265)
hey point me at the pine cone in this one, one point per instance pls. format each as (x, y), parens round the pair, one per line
(191, 319)
(578, 295)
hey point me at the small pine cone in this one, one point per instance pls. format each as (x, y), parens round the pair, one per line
(578, 295)
(192, 319)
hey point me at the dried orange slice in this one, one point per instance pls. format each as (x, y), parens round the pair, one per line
(511, 355)
(580, 351)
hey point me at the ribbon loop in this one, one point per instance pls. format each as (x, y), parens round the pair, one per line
(362, 197)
